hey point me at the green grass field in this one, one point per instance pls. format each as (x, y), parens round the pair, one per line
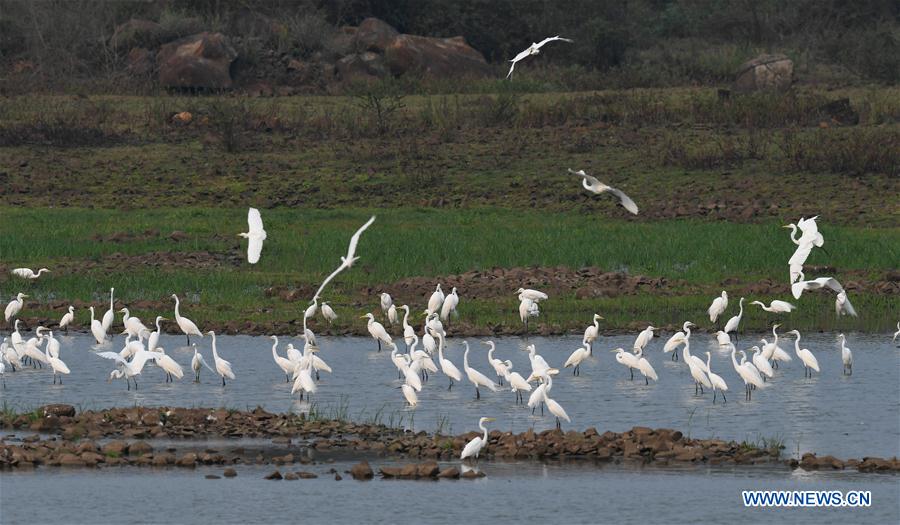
(305, 245)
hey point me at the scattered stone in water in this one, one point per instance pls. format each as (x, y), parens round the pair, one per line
(212, 476)
(472, 474)
(337, 477)
(274, 475)
(306, 475)
(449, 473)
(229, 473)
(361, 471)
(290, 476)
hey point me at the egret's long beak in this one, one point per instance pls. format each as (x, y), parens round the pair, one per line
(362, 317)
(24, 296)
(785, 226)
(489, 419)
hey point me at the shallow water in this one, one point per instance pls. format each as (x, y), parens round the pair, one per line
(539, 493)
(847, 416)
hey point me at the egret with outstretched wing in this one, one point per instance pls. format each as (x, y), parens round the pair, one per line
(593, 185)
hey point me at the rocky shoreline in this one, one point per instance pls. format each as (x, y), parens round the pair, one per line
(120, 436)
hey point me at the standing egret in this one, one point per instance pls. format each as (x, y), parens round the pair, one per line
(310, 311)
(386, 302)
(718, 384)
(762, 364)
(897, 333)
(376, 330)
(842, 305)
(846, 357)
(555, 408)
(643, 338)
(532, 295)
(809, 360)
(410, 394)
(133, 325)
(56, 364)
(776, 306)
(722, 338)
(678, 339)
(421, 360)
(3, 373)
(593, 185)
(746, 374)
(328, 313)
(348, 260)
(449, 305)
(516, 382)
(410, 373)
(527, 308)
(447, 367)
(773, 351)
(498, 365)
(196, 362)
(303, 381)
(409, 333)
(692, 359)
(428, 341)
(626, 359)
(576, 358)
(28, 273)
(591, 333)
(153, 340)
(97, 329)
(436, 300)
(718, 307)
(538, 364)
(283, 363)
(172, 369)
(67, 319)
(52, 344)
(255, 235)
(698, 371)
(10, 355)
(758, 380)
(474, 447)
(475, 377)
(15, 338)
(187, 326)
(434, 325)
(645, 368)
(14, 306)
(33, 353)
(392, 315)
(109, 317)
(223, 367)
(732, 324)
(401, 361)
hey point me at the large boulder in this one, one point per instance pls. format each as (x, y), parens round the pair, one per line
(437, 57)
(197, 61)
(361, 66)
(765, 72)
(374, 35)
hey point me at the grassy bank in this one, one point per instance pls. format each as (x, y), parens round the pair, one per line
(91, 250)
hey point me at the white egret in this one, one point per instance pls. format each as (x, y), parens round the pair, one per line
(594, 185)
(532, 295)
(10, 355)
(133, 325)
(169, 366)
(348, 260)
(734, 322)
(283, 363)
(52, 344)
(97, 328)
(293, 354)
(14, 306)
(153, 340)
(187, 326)
(377, 331)
(434, 324)
(697, 369)
(722, 338)
(56, 364)
(474, 447)
(846, 356)
(392, 315)
(421, 360)
(255, 235)
(449, 305)
(67, 319)
(196, 362)
(758, 380)
(310, 311)
(645, 368)
(762, 364)
(410, 373)
(809, 360)
(33, 353)
(516, 382)
(386, 302)
(130, 369)
(627, 360)
(109, 317)
(776, 306)
(539, 365)
(718, 384)
(774, 352)
(475, 377)
(436, 300)
(897, 333)
(28, 273)
(591, 333)
(643, 338)
(3, 373)
(537, 396)
(303, 381)
(577, 357)
(223, 367)
(692, 359)
(410, 394)
(401, 361)
(527, 308)
(555, 408)
(533, 49)
(718, 307)
(447, 367)
(747, 376)
(328, 313)
(428, 341)
(678, 339)
(498, 365)
(409, 332)
(15, 337)
(842, 303)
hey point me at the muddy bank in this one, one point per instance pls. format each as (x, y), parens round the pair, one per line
(124, 433)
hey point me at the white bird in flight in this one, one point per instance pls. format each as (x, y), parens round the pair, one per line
(842, 302)
(28, 273)
(533, 49)
(348, 260)
(256, 235)
(592, 184)
(776, 306)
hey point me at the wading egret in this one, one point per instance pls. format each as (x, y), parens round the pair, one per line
(187, 326)
(386, 302)
(196, 362)
(130, 369)
(303, 381)
(32, 352)
(3, 373)
(56, 364)
(377, 331)
(758, 379)
(255, 235)
(436, 300)
(576, 358)
(516, 382)
(67, 319)
(692, 359)
(498, 365)
(449, 305)
(555, 408)
(10, 355)
(401, 361)
(527, 308)
(776, 306)
(97, 328)
(410, 373)
(762, 364)
(410, 394)
(593, 185)
(722, 338)
(846, 356)
(626, 359)
(133, 325)
(537, 397)
(718, 384)
(328, 313)
(774, 352)
(348, 260)
(810, 362)
(643, 338)
(172, 369)
(897, 333)
(15, 338)
(591, 333)
(109, 317)
(734, 322)
(678, 339)
(697, 370)
(52, 344)
(223, 367)
(28, 273)
(474, 447)
(153, 340)
(392, 315)
(421, 360)
(409, 333)
(747, 376)
(718, 307)
(14, 306)
(645, 368)
(539, 365)
(533, 49)
(283, 363)
(447, 367)
(475, 377)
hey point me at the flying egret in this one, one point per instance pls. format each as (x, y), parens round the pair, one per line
(348, 260)
(67, 319)
(576, 358)
(133, 325)
(533, 49)
(678, 339)
(436, 300)
(376, 330)
(97, 329)
(283, 363)
(474, 447)
(28, 273)
(129, 369)
(498, 365)
(645, 368)
(409, 333)
(846, 356)
(328, 313)
(591, 333)
(643, 338)
(718, 307)
(841, 304)
(56, 364)
(626, 359)
(172, 369)
(223, 367)
(593, 185)
(718, 384)
(732, 324)
(187, 326)
(449, 305)
(447, 367)
(475, 377)
(762, 364)
(697, 369)
(516, 382)
(386, 302)
(747, 374)
(14, 306)
(255, 235)
(776, 306)
(196, 362)
(153, 340)
(109, 317)
(555, 408)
